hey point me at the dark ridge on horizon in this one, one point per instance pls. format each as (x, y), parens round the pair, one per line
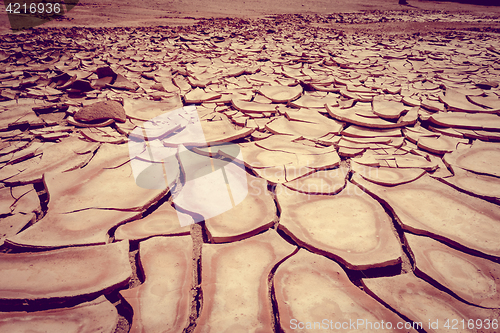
(470, 2)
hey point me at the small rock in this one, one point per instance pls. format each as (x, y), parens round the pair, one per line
(101, 111)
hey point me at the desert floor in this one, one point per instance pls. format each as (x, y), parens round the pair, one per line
(251, 167)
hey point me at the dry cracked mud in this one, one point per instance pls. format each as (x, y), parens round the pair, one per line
(359, 188)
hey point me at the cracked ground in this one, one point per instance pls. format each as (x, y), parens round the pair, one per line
(364, 178)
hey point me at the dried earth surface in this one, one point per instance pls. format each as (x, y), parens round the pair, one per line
(347, 170)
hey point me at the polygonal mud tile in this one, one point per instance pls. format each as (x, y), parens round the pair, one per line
(328, 140)
(146, 110)
(298, 157)
(274, 174)
(9, 171)
(324, 224)
(441, 145)
(491, 101)
(351, 152)
(223, 131)
(413, 134)
(414, 161)
(293, 144)
(198, 95)
(27, 200)
(447, 131)
(313, 292)
(100, 184)
(10, 225)
(474, 279)
(11, 147)
(480, 157)
(98, 315)
(103, 134)
(123, 83)
(410, 101)
(34, 149)
(456, 101)
(164, 221)
(6, 201)
(388, 109)
(87, 226)
(362, 132)
(65, 273)
(255, 156)
(252, 215)
(235, 283)
(307, 101)
(387, 176)
(429, 207)
(380, 140)
(429, 308)
(321, 182)
(315, 117)
(298, 128)
(281, 94)
(482, 186)
(56, 158)
(350, 116)
(478, 121)
(19, 115)
(442, 171)
(210, 187)
(356, 145)
(163, 302)
(432, 105)
(252, 107)
(125, 128)
(196, 132)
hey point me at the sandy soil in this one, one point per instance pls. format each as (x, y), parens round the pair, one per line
(110, 13)
(381, 16)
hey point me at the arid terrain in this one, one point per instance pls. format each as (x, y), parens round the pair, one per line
(251, 166)
(112, 13)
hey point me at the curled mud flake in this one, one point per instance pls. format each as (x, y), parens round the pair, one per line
(479, 121)
(480, 157)
(323, 224)
(235, 283)
(309, 288)
(63, 274)
(473, 279)
(281, 94)
(197, 96)
(387, 176)
(478, 185)
(424, 304)
(164, 221)
(321, 182)
(429, 207)
(456, 101)
(162, 302)
(98, 315)
(251, 216)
